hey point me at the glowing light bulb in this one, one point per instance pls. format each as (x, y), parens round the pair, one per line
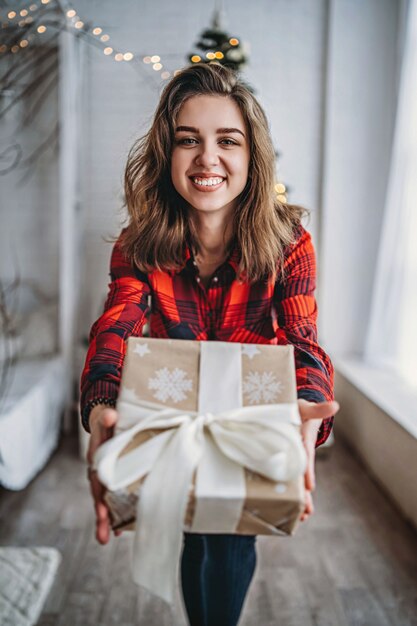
(23, 12)
(280, 188)
(210, 55)
(165, 75)
(24, 43)
(108, 50)
(11, 15)
(71, 13)
(45, 1)
(14, 49)
(233, 41)
(219, 55)
(97, 31)
(104, 37)
(79, 24)
(33, 7)
(195, 58)
(147, 60)
(128, 56)
(118, 56)
(3, 48)
(157, 67)
(155, 58)
(41, 28)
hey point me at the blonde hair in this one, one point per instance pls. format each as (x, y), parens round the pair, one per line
(159, 225)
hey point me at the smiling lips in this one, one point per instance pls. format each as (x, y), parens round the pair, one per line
(207, 183)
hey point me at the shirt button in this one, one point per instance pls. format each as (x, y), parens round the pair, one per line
(215, 279)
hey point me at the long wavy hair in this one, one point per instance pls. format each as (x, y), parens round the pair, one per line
(159, 225)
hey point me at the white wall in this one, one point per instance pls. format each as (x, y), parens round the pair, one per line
(361, 97)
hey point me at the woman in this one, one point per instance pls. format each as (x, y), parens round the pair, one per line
(222, 260)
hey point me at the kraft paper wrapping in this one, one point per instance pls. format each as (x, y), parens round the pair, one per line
(166, 373)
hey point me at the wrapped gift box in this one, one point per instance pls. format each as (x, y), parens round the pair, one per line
(270, 508)
(208, 440)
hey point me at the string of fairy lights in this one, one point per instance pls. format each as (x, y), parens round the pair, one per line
(30, 24)
(27, 16)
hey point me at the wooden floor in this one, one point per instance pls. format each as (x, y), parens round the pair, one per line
(354, 562)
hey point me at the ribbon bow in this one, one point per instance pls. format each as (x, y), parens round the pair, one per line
(219, 446)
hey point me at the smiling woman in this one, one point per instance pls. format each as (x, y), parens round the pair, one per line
(221, 260)
(209, 169)
(207, 123)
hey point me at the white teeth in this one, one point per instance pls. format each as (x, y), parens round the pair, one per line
(207, 182)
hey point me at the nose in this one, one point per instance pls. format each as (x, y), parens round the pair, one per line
(207, 154)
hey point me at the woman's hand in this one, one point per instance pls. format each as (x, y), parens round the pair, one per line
(102, 422)
(312, 414)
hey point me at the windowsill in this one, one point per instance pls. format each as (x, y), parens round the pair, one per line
(388, 391)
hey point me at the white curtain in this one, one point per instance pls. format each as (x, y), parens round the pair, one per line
(392, 332)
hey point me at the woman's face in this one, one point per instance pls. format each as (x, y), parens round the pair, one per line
(210, 158)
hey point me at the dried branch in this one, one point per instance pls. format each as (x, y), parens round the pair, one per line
(38, 59)
(19, 153)
(24, 63)
(7, 330)
(51, 139)
(31, 87)
(31, 114)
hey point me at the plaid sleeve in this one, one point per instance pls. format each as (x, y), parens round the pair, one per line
(296, 309)
(124, 315)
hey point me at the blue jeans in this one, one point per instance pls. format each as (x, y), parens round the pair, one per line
(216, 571)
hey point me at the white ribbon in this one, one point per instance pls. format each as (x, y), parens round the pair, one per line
(219, 446)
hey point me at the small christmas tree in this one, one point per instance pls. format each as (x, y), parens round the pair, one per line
(215, 44)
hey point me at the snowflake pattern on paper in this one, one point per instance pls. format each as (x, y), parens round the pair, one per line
(170, 384)
(141, 349)
(249, 350)
(261, 388)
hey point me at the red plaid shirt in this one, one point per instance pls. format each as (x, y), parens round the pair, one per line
(182, 308)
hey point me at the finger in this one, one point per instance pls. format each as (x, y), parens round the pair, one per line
(319, 410)
(309, 482)
(102, 523)
(102, 531)
(309, 476)
(101, 510)
(309, 439)
(309, 507)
